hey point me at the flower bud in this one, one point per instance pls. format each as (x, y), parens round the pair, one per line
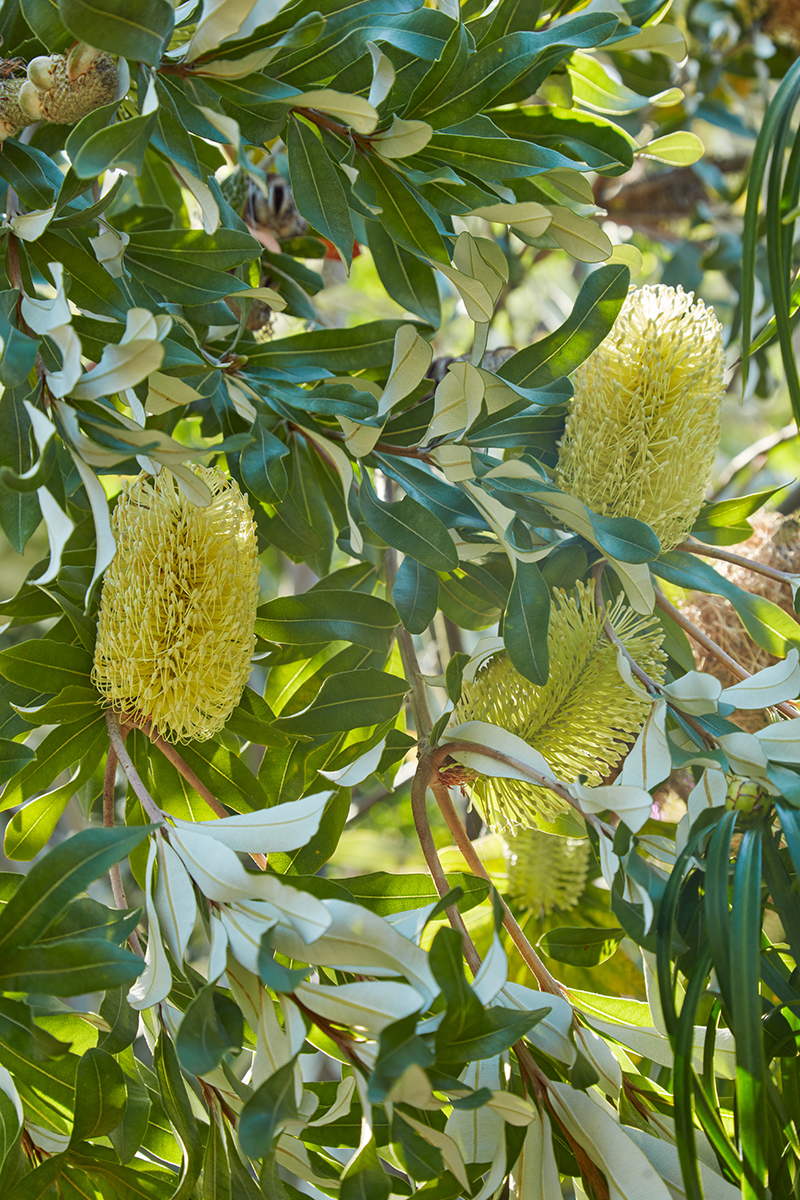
(745, 795)
(41, 71)
(30, 102)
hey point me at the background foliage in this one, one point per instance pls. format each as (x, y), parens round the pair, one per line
(174, 290)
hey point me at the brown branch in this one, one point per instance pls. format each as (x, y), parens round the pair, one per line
(713, 649)
(758, 568)
(188, 774)
(546, 981)
(419, 789)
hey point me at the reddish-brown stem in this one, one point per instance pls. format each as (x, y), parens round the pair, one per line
(539, 971)
(188, 774)
(419, 789)
(703, 551)
(703, 640)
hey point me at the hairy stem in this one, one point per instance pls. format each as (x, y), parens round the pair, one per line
(419, 789)
(738, 560)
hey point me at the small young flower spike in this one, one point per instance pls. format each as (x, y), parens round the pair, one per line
(176, 625)
(547, 872)
(582, 720)
(642, 432)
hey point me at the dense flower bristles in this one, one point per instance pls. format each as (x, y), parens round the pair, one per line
(581, 720)
(643, 426)
(547, 873)
(175, 634)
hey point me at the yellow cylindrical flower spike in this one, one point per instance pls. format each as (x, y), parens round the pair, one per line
(176, 626)
(643, 426)
(546, 872)
(582, 720)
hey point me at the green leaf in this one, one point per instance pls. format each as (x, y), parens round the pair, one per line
(349, 700)
(724, 513)
(316, 852)
(408, 280)
(318, 187)
(211, 1030)
(409, 527)
(385, 893)
(769, 626)
(13, 757)
(179, 1113)
(267, 1111)
(596, 309)
(46, 665)
(9, 1126)
(261, 466)
(401, 211)
(584, 946)
(526, 623)
(327, 616)
(65, 871)
(69, 968)
(226, 775)
(114, 26)
(420, 1158)
(362, 347)
(365, 1178)
(80, 741)
(216, 1166)
(273, 974)
(473, 598)
(43, 18)
(415, 594)
(100, 1095)
(625, 538)
(118, 147)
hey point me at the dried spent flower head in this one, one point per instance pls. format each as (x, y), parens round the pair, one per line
(582, 720)
(642, 431)
(176, 625)
(12, 118)
(62, 89)
(547, 872)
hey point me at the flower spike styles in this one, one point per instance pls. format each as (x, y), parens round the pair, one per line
(547, 873)
(177, 612)
(582, 720)
(643, 426)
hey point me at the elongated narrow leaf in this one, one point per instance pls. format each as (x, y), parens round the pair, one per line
(324, 616)
(526, 623)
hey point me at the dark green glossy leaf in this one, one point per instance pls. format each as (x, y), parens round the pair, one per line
(267, 1110)
(100, 1095)
(415, 594)
(210, 1032)
(526, 623)
(409, 527)
(138, 33)
(261, 464)
(69, 968)
(350, 700)
(582, 946)
(559, 353)
(318, 187)
(324, 616)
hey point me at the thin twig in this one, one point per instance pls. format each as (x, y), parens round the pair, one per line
(419, 789)
(114, 874)
(188, 774)
(132, 775)
(641, 675)
(716, 651)
(758, 568)
(762, 447)
(419, 701)
(546, 981)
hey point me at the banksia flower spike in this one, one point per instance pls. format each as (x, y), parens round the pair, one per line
(643, 426)
(582, 720)
(547, 872)
(177, 612)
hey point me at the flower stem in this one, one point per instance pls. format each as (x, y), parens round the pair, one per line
(758, 568)
(546, 981)
(132, 775)
(419, 789)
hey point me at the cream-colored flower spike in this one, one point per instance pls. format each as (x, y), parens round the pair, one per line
(643, 426)
(175, 633)
(547, 872)
(62, 88)
(582, 720)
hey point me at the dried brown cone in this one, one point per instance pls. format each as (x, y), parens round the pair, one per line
(775, 542)
(12, 118)
(62, 89)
